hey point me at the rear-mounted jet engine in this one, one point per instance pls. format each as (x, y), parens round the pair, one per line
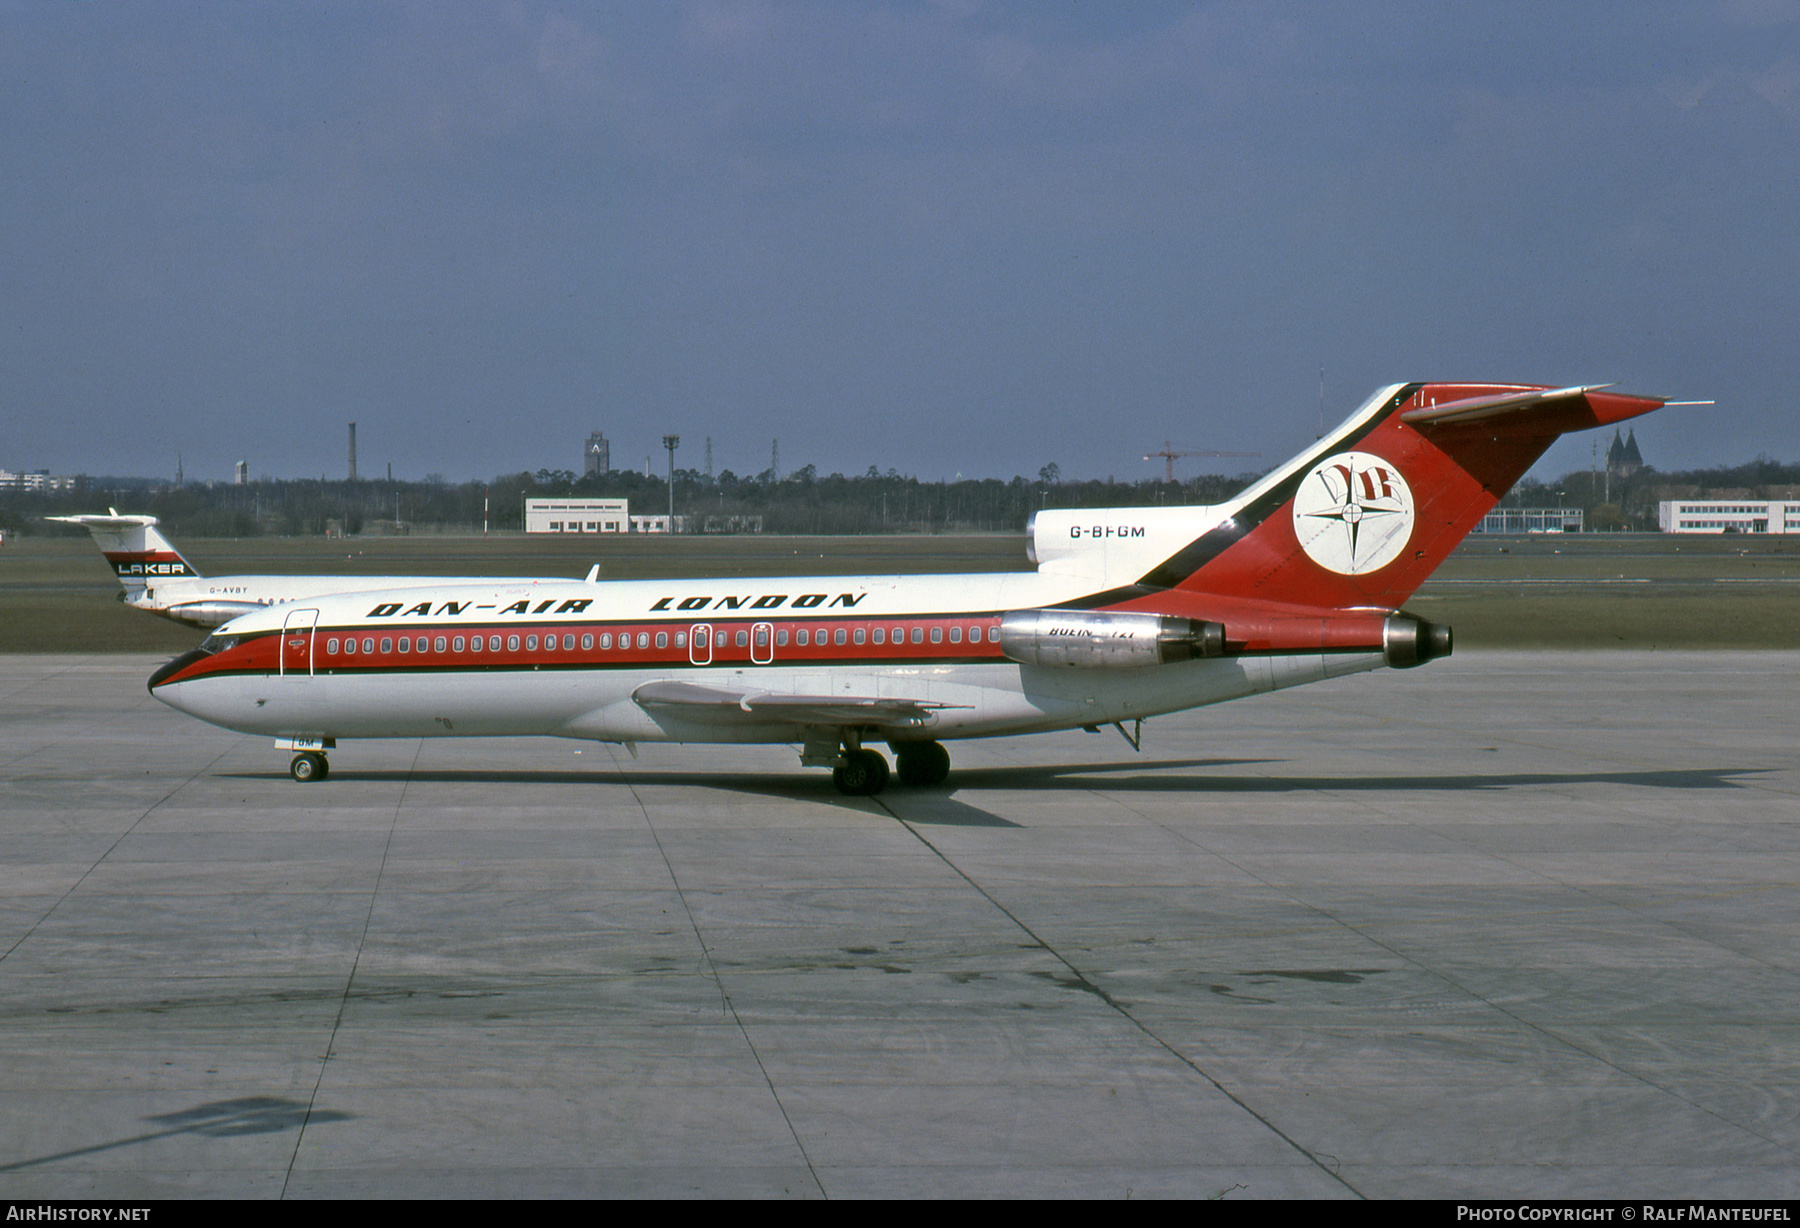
(1093, 640)
(1407, 641)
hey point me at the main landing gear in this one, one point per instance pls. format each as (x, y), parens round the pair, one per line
(861, 772)
(922, 763)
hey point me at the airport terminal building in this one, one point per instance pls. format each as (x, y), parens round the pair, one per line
(1532, 520)
(1728, 516)
(578, 516)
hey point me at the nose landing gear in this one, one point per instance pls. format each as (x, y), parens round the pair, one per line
(309, 766)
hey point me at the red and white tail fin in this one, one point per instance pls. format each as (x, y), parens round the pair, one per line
(138, 552)
(1364, 516)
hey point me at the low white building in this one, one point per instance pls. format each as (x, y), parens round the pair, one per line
(578, 516)
(1735, 515)
(1532, 520)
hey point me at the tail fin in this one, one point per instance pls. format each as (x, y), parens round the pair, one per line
(138, 552)
(1366, 514)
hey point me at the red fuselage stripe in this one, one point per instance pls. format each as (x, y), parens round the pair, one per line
(611, 645)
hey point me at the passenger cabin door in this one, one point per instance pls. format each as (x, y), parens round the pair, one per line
(700, 644)
(762, 643)
(298, 628)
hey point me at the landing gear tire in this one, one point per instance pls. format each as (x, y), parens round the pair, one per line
(863, 773)
(922, 763)
(309, 766)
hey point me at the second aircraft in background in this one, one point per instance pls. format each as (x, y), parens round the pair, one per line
(158, 580)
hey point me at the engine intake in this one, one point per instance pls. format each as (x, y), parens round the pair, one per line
(1086, 639)
(1407, 641)
(212, 613)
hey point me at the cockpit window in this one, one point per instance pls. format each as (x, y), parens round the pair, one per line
(218, 643)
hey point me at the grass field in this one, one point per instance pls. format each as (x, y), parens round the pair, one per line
(1618, 591)
(1575, 591)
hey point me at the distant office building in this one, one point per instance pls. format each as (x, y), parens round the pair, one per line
(38, 482)
(1532, 520)
(659, 524)
(242, 476)
(597, 459)
(1728, 515)
(578, 516)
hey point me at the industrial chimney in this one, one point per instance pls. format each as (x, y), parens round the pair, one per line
(353, 451)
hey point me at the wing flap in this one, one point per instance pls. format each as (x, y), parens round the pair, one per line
(720, 706)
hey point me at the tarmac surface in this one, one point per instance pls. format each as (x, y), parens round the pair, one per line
(1510, 925)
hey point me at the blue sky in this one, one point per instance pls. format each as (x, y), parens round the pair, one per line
(944, 238)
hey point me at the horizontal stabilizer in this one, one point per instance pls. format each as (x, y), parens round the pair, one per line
(113, 524)
(1606, 407)
(717, 706)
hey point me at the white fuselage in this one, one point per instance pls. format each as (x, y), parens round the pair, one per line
(318, 690)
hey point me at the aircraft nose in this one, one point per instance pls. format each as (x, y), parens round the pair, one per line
(173, 668)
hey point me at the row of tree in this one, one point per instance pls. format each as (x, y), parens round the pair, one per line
(1627, 502)
(801, 502)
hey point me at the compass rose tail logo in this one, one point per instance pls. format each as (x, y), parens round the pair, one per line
(1353, 513)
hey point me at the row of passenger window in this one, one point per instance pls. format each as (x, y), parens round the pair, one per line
(879, 635)
(803, 637)
(474, 643)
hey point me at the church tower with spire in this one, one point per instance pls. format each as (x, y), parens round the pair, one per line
(1623, 458)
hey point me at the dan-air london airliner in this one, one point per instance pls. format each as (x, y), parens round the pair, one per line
(1132, 612)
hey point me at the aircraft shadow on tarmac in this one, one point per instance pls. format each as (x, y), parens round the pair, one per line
(931, 805)
(939, 805)
(214, 1119)
(1071, 777)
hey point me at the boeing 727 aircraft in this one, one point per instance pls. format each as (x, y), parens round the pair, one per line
(1132, 612)
(158, 580)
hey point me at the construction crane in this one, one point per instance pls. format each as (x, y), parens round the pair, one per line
(1169, 454)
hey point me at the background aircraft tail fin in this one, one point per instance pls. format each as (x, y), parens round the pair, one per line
(1360, 519)
(135, 547)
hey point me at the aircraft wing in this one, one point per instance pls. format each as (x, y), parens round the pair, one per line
(718, 706)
